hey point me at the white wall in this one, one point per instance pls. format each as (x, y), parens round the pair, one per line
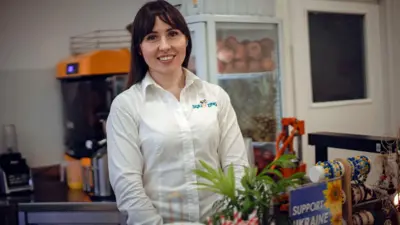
(283, 12)
(34, 36)
(390, 11)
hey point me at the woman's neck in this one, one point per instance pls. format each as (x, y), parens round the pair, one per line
(173, 82)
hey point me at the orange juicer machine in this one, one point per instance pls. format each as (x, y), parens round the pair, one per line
(285, 142)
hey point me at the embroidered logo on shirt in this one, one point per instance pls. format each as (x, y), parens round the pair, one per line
(204, 104)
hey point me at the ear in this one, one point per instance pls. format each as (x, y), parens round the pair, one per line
(129, 28)
(139, 49)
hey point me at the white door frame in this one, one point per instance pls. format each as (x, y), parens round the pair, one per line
(389, 10)
(200, 47)
(339, 7)
(305, 108)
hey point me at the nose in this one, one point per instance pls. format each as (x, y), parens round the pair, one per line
(164, 45)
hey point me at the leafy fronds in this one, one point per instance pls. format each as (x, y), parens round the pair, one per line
(283, 161)
(220, 182)
(258, 190)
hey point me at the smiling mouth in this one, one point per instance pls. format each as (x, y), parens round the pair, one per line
(166, 58)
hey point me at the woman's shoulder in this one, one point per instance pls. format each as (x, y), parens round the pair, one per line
(214, 89)
(126, 100)
(210, 87)
(204, 85)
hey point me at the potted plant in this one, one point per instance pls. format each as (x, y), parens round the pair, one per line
(260, 193)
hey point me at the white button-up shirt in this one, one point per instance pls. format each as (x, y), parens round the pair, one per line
(155, 142)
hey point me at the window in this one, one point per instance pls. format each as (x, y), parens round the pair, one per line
(337, 52)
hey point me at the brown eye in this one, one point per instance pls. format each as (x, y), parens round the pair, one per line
(173, 33)
(151, 37)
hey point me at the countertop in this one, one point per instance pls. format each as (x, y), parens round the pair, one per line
(52, 195)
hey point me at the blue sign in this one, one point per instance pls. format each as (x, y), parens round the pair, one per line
(317, 204)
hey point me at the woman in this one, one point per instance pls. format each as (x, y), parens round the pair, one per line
(164, 123)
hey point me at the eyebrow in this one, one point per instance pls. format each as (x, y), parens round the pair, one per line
(169, 29)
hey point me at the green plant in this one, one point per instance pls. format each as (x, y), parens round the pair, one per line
(258, 191)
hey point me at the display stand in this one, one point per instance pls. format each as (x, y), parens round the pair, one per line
(346, 186)
(381, 206)
(362, 204)
(349, 209)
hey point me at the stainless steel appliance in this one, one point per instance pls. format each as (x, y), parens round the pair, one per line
(96, 178)
(102, 187)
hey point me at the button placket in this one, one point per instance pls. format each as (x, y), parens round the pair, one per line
(193, 199)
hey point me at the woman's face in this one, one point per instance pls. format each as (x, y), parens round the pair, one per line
(164, 49)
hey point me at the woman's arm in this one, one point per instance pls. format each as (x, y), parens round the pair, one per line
(125, 163)
(231, 148)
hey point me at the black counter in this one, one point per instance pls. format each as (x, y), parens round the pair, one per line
(365, 143)
(52, 195)
(52, 202)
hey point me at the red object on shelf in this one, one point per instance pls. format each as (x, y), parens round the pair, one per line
(263, 157)
(285, 142)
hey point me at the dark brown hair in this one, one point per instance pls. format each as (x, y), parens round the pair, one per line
(143, 25)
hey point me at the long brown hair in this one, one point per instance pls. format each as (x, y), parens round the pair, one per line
(143, 25)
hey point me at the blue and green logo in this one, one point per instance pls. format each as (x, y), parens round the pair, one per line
(204, 104)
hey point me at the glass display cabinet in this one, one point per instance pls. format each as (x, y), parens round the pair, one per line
(241, 54)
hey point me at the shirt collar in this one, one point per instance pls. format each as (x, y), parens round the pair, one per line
(149, 81)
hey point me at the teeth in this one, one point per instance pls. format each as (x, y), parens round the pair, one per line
(165, 58)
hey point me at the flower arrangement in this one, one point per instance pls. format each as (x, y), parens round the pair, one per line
(259, 192)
